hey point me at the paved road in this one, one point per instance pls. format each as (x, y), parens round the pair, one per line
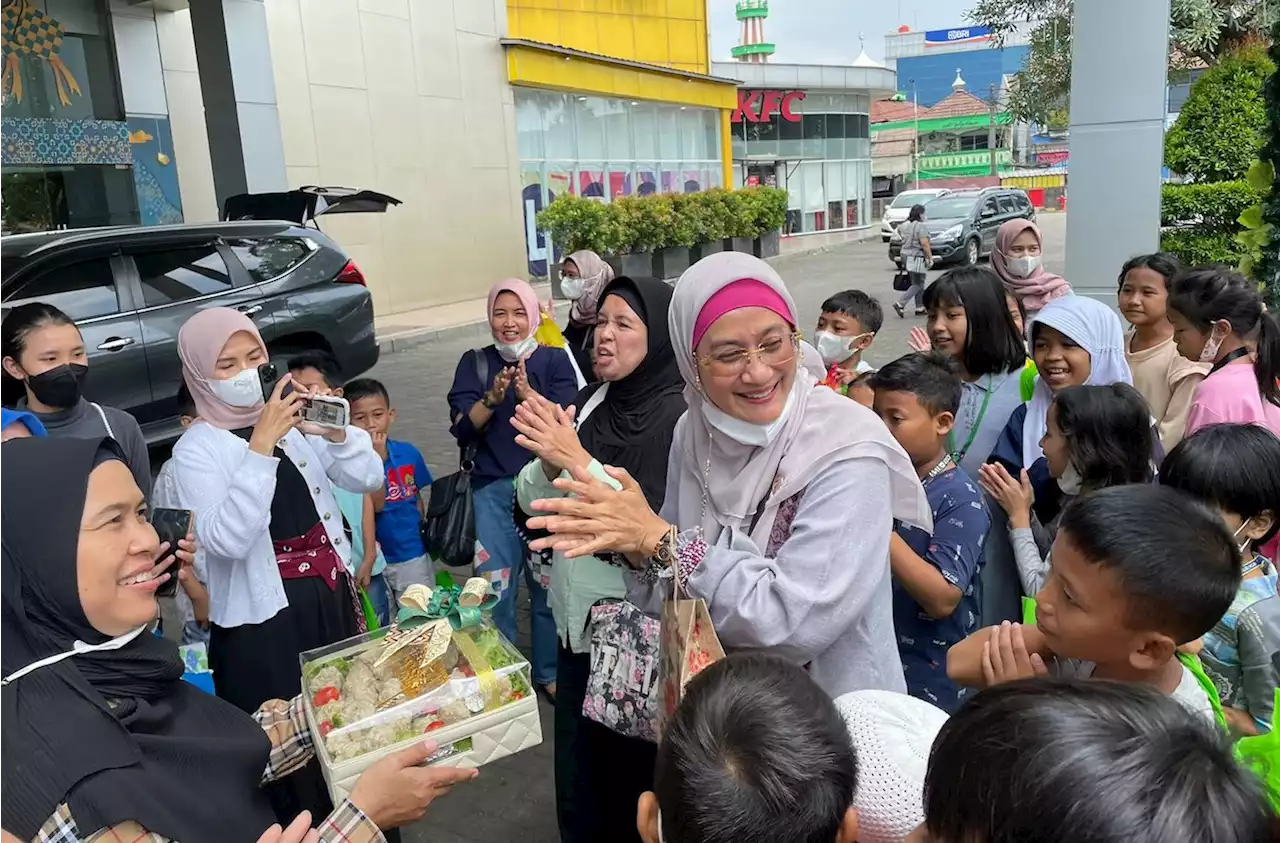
(514, 799)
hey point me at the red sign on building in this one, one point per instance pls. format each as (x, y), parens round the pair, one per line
(760, 106)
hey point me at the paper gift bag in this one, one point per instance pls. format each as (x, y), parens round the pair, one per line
(689, 645)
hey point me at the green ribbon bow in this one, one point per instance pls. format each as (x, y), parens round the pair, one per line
(445, 604)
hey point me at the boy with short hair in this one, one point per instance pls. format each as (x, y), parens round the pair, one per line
(1137, 571)
(846, 328)
(755, 753)
(318, 370)
(935, 578)
(192, 599)
(400, 507)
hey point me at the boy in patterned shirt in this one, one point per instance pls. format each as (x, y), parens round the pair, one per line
(935, 578)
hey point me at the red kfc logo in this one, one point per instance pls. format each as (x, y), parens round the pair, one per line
(759, 106)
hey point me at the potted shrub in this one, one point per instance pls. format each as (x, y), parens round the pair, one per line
(739, 234)
(767, 210)
(576, 222)
(712, 218)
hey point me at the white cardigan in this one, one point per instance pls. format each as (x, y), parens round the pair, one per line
(230, 489)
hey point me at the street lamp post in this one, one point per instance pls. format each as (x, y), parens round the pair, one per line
(915, 112)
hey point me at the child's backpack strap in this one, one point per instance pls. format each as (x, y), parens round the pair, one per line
(1192, 663)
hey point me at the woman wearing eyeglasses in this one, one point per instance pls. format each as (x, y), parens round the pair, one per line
(780, 497)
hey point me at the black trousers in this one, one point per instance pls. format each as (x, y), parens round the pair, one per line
(599, 773)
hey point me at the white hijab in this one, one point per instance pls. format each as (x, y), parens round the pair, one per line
(820, 428)
(1095, 328)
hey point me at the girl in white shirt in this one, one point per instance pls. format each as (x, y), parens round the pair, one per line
(271, 533)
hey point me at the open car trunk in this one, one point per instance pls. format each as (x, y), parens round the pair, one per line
(305, 204)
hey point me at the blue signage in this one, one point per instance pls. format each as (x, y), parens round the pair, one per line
(959, 35)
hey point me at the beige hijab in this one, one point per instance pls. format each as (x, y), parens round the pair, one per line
(595, 275)
(822, 428)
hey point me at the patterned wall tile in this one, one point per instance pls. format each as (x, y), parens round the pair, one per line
(28, 141)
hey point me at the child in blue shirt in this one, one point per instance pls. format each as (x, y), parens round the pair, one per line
(318, 370)
(400, 507)
(935, 578)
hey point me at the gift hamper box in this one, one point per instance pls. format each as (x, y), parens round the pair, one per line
(441, 671)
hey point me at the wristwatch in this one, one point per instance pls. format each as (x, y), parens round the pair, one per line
(484, 399)
(665, 553)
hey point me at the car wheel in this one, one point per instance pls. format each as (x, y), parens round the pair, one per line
(972, 252)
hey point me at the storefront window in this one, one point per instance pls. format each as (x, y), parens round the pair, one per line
(77, 196)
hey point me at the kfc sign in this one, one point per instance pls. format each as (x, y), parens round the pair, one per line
(760, 106)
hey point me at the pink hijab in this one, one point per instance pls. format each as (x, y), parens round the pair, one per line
(528, 298)
(1037, 289)
(200, 342)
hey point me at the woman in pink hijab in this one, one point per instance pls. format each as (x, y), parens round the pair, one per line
(273, 551)
(487, 385)
(1018, 260)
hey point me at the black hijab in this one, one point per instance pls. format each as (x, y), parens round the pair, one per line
(636, 422)
(116, 734)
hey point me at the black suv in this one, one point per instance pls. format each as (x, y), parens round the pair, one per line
(962, 225)
(131, 288)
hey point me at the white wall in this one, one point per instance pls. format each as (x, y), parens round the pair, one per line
(408, 97)
(186, 116)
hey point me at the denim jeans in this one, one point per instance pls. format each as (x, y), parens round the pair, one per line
(380, 597)
(915, 291)
(507, 561)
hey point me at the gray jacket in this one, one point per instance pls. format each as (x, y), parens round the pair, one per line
(87, 421)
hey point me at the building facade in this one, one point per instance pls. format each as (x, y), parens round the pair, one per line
(806, 128)
(474, 113)
(927, 62)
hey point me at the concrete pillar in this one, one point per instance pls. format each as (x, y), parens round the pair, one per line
(238, 86)
(1119, 57)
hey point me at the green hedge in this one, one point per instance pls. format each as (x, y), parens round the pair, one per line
(1217, 205)
(1197, 247)
(650, 223)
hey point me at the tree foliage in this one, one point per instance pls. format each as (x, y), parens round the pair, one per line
(1200, 33)
(1267, 266)
(1223, 124)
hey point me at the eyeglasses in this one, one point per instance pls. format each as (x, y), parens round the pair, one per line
(774, 351)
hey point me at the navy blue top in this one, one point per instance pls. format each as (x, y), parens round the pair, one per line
(397, 525)
(960, 523)
(497, 454)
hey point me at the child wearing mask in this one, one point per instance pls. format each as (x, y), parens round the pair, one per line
(1235, 469)
(755, 753)
(935, 601)
(1137, 571)
(1064, 761)
(1095, 437)
(1166, 379)
(846, 328)
(319, 371)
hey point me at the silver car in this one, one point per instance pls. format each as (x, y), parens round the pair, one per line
(895, 213)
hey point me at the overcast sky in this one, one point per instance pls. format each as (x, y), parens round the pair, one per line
(826, 31)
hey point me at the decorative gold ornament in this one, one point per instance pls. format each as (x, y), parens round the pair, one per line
(27, 32)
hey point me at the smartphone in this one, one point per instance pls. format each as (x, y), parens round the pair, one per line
(327, 411)
(269, 375)
(171, 525)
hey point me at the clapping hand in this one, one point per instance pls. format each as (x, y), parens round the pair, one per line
(523, 390)
(547, 430)
(597, 518)
(919, 340)
(498, 392)
(1014, 496)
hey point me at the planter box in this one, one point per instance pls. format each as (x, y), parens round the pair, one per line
(701, 250)
(739, 244)
(767, 245)
(670, 263)
(634, 265)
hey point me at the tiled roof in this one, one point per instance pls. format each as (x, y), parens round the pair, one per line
(889, 111)
(894, 142)
(959, 103)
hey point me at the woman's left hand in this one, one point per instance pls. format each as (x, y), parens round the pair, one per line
(1014, 496)
(597, 518)
(524, 391)
(336, 435)
(547, 430)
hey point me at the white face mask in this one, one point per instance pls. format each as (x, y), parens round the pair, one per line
(1071, 483)
(1244, 545)
(1212, 345)
(835, 348)
(244, 390)
(1022, 267)
(572, 288)
(514, 352)
(79, 648)
(744, 432)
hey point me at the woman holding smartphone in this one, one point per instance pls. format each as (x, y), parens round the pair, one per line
(275, 553)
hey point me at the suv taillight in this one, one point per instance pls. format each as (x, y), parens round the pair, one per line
(351, 274)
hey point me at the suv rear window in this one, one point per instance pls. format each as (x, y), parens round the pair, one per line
(270, 257)
(82, 290)
(174, 275)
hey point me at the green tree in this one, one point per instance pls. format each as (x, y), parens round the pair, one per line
(1267, 267)
(1200, 33)
(1222, 125)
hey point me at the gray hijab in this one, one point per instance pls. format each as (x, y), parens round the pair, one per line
(820, 428)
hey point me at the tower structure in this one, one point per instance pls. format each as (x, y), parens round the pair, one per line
(752, 47)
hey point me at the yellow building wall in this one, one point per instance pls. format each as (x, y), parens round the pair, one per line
(670, 33)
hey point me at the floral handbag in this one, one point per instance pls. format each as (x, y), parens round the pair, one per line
(622, 688)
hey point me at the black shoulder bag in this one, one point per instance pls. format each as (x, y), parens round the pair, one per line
(449, 526)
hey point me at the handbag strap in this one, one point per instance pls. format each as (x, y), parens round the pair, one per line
(467, 458)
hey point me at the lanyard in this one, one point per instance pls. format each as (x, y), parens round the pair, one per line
(1252, 565)
(1235, 355)
(943, 464)
(973, 431)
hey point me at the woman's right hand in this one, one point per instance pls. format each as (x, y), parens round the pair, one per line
(279, 416)
(547, 430)
(498, 392)
(397, 790)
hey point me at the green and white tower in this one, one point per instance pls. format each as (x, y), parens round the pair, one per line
(752, 46)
